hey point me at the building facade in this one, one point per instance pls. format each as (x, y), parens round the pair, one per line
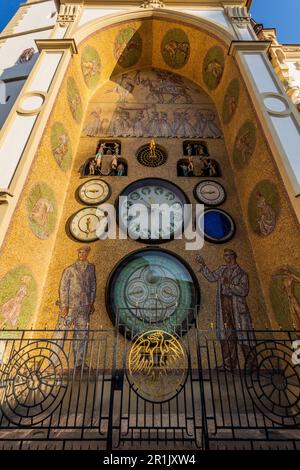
(193, 77)
(164, 102)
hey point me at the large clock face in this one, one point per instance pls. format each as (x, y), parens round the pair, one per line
(148, 224)
(152, 289)
(88, 224)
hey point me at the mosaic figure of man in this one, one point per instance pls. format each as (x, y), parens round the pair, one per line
(233, 320)
(77, 292)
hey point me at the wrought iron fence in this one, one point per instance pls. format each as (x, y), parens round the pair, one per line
(238, 390)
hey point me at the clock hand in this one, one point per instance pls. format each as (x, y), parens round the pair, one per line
(209, 192)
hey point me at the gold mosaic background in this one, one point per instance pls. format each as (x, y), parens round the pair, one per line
(46, 259)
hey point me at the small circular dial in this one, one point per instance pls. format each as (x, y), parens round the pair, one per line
(216, 225)
(88, 224)
(94, 192)
(151, 210)
(210, 193)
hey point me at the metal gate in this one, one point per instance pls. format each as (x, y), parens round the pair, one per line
(51, 400)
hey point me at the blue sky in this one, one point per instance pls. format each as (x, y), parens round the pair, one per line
(282, 14)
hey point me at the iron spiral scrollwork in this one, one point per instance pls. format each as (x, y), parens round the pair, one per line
(34, 383)
(273, 382)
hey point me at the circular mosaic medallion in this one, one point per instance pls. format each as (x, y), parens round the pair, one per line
(74, 99)
(231, 100)
(128, 47)
(213, 67)
(157, 366)
(151, 159)
(273, 382)
(151, 289)
(216, 225)
(210, 193)
(264, 208)
(175, 48)
(244, 145)
(42, 210)
(61, 146)
(90, 66)
(34, 383)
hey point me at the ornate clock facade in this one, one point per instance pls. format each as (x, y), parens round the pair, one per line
(148, 194)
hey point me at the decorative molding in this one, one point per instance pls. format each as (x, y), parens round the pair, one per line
(32, 111)
(152, 4)
(278, 99)
(56, 45)
(4, 193)
(23, 33)
(67, 14)
(238, 16)
(250, 46)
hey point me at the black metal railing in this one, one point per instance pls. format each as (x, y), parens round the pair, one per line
(60, 390)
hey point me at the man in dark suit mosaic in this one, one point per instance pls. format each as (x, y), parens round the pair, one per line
(77, 293)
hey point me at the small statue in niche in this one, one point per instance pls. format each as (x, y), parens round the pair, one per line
(106, 162)
(26, 55)
(189, 150)
(117, 149)
(121, 171)
(92, 167)
(182, 168)
(190, 167)
(195, 149)
(210, 168)
(198, 166)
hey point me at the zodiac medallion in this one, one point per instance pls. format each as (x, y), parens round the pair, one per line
(274, 382)
(34, 383)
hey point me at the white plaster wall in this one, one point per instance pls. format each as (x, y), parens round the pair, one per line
(217, 16)
(12, 89)
(13, 145)
(294, 72)
(260, 74)
(45, 73)
(11, 50)
(37, 16)
(89, 14)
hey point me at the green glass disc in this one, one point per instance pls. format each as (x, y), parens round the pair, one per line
(150, 289)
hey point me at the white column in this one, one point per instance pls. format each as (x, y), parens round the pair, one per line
(23, 130)
(279, 117)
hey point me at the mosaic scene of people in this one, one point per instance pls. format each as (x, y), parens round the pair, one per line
(152, 103)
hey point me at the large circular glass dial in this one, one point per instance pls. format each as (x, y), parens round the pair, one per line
(152, 289)
(94, 192)
(151, 210)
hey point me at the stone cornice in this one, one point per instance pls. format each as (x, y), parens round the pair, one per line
(249, 46)
(56, 45)
(168, 3)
